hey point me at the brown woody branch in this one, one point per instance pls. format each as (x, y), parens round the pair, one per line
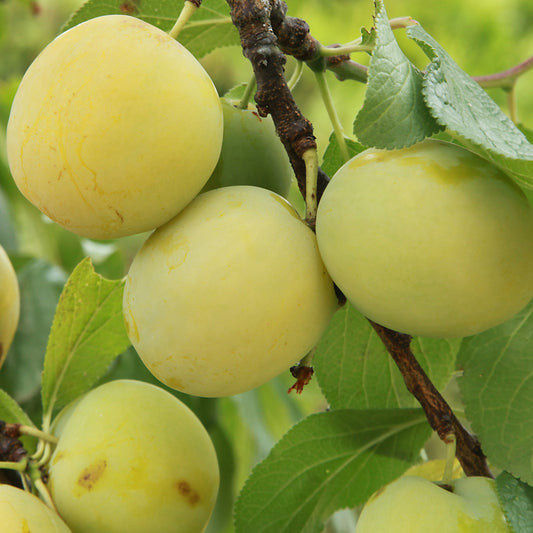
(252, 18)
(265, 31)
(439, 414)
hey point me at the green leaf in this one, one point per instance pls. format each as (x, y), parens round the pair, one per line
(394, 113)
(328, 461)
(209, 28)
(88, 332)
(333, 158)
(40, 286)
(460, 104)
(355, 370)
(8, 235)
(497, 390)
(516, 498)
(12, 413)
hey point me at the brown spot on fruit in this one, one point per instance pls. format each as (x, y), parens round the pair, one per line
(91, 474)
(188, 492)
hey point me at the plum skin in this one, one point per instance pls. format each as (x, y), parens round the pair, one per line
(22, 511)
(115, 127)
(228, 294)
(412, 504)
(429, 240)
(132, 457)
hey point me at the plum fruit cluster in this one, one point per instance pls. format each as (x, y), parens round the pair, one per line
(132, 457)
(116, 129)
(9, 304)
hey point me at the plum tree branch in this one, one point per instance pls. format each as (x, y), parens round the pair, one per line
(266, 34)
(439, 414)
(252, 18)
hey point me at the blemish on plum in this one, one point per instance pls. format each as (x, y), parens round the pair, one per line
(185, 490)
(91, 474)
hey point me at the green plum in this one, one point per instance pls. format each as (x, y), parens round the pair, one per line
(114, 129)
(132, 457)
(228, 294)
(22, 512)
(252, 153)
(412, 504)
(429, 240)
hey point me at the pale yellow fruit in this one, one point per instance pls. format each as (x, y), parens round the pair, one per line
(114, 129)
(228, 294)
(415, 505)
(132, 457)
(9, 304)
(22, 512)
(429, 240)
(434, 470)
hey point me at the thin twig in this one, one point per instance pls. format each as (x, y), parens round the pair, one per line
(439, 414)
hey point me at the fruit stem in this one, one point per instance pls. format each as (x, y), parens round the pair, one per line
(44, 493)
(511, 104)
(45, 456)
(247, 96)
(189, 8)
(296, 75)
(348, 49)
(310, 158)
(34, 432)
(332, 113)
(19, 466)
(451, 449)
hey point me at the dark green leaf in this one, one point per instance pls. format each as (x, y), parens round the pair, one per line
(516, 498)
(209, 28)
(328, 461)
(355, 370)
(394, 113)
(40, 286)
(88, 332)
(497, 389)
(333, 158)
(11, 412)
(460, 104)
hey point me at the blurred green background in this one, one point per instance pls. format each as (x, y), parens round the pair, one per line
(482, 37)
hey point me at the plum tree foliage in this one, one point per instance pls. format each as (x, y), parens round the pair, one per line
(146, 382)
